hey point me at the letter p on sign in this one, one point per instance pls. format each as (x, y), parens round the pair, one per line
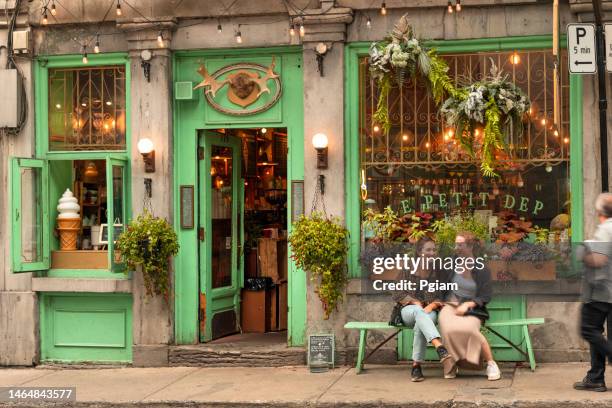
(581, 48)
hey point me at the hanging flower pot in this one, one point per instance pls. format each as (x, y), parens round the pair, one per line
(137, 249)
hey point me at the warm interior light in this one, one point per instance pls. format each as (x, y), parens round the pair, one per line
(145, 146)
(515, 58)
(263, 131)
(319, 141)
(376, 128)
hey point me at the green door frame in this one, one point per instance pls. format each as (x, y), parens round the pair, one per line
(227, 297)
(189, 117)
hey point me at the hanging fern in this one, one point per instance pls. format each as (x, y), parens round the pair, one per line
(440, 83)
(381, 116)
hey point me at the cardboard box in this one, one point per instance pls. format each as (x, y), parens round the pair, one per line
(255, 311)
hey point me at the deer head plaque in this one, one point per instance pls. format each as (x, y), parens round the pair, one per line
(247, 82)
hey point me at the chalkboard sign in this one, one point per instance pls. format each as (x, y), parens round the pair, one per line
(104, 232)
(321, 348)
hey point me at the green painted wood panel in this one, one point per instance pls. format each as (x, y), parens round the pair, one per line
(189, 119)
(500, 308)
(85, 327)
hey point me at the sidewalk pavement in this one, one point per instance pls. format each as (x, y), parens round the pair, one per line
(377, 386)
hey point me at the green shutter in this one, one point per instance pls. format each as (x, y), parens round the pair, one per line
(29, 214)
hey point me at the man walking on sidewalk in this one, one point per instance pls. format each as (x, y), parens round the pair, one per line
(597, 296)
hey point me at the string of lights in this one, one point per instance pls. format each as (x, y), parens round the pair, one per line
(296, 20)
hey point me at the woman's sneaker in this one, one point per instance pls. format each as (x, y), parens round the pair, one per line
(448, 362)
(417, 374)
(493, 372)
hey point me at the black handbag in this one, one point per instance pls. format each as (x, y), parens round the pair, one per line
(396, 315)
(480, 312)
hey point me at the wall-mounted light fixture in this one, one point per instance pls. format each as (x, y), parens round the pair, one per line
(319, 141)
(145, 147)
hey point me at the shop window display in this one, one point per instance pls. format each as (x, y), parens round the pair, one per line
(419, 169)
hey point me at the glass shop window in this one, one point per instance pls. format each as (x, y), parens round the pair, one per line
(87, 108)
(68, 213)
(419, 167)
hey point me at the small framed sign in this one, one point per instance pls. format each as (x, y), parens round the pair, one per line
(321, 349)
(187, 207)
(118, 229)
(297, 199)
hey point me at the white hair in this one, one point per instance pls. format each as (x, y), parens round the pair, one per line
(603, 204)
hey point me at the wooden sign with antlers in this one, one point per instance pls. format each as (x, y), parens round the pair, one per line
(247, 82)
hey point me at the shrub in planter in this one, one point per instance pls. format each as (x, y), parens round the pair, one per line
(150, 242)
(319, 245)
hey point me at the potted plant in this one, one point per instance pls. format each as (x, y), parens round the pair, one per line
(150, 242)
(520, 252)
(319, 245)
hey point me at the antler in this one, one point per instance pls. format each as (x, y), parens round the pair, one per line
(262, 82)
(210, 82)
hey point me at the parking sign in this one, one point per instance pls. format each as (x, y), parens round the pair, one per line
(608, 32)
(581, 48)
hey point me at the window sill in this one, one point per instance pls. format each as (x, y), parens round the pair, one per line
(81, 285)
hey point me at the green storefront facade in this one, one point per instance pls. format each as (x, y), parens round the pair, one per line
(101, 314)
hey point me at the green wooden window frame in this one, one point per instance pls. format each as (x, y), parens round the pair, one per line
(355, 51)
(44, 157)
(41, 100)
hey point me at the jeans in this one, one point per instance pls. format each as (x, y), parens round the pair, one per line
(593, 317)
(424, 325)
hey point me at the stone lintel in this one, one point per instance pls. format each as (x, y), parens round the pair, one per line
(142, 34)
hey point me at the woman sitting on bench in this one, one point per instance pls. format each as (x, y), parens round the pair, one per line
(419, 312)
(465, 310)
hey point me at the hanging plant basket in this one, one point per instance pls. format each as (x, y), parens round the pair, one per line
(320, 245)
(399, 56)
(150, 242)
(487, 116)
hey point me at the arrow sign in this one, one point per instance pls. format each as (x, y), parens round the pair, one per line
(608, 33)
(581, 48)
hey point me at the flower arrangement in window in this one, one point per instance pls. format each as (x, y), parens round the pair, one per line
(401, 54)
(485, 115)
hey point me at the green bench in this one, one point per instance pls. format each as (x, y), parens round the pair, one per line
(363, 328)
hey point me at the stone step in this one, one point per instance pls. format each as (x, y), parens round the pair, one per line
(203, 355)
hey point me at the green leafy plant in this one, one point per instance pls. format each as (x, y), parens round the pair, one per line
(387, 226)
(495, 105)
(446, 229)
(399, 55)
(150, 242)
(320, 245)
